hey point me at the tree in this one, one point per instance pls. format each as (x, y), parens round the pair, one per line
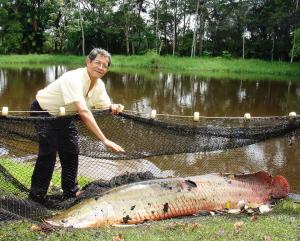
(82, 30)
(294, 44)
(193, 52)
(295, 52)
(183, 27)
(10, 28)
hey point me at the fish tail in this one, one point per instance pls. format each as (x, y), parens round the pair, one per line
(280, 187)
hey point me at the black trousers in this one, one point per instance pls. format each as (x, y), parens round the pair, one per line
(55, 135)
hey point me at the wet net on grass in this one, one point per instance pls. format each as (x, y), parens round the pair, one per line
(155, 148)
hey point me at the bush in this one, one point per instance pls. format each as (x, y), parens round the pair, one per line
(154, 58)
(297, 43)
(11, 40)
(226, 54)
(207, 53)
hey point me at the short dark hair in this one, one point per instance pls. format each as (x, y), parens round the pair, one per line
(102, 52)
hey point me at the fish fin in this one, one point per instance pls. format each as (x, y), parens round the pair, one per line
(261, 177)
(264, 177)
(281, 187)
(190, 183)
(124, 225)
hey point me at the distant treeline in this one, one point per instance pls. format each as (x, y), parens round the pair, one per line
(264, 29)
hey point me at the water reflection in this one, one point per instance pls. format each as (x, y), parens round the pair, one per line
(277, 156)
(52, 72)
(175, 94)
(3, 151)
(168, 93)
(18, 87)
(181, 94)
(3, 81)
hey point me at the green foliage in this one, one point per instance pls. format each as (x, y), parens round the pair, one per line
(226, 54)
(122, 27)
(153, 58)
(11, 39)
(10, 30)
(297, 43)
(207, 54)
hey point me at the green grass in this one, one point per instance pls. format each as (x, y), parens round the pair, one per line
(23, 171)
(154, 74)
(201, 66)
(283, 223)
(34, 60)
(209, 64)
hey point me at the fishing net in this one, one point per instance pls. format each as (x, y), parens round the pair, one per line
(166, 146)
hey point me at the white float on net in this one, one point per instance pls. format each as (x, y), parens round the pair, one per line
(247, 116)
(153, 114)
(4, 111)
(292, 114)
(196, 116)
(62, 111)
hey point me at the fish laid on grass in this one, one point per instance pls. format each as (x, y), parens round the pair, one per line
(173, 197)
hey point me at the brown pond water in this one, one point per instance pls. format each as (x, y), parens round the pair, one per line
(182, 95)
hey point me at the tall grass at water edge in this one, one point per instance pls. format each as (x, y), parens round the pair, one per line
(206, 66)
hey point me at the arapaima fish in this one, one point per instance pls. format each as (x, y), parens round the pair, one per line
(172, 197)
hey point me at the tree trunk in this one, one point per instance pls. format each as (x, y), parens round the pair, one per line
(184, 18)
(157, 37)
(193, 51)
(175, 27)
(126, 29)
(244, 44)
(160, 47)
(82, 31)
(165, 34)
(201, 33)
(127, 39)
(273, 45)
(132, 47)
(294, 39)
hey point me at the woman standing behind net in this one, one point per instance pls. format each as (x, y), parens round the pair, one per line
(77, 91)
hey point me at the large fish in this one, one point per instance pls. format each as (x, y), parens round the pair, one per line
(173, 197)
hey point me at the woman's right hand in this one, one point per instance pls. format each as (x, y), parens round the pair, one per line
(113, 146)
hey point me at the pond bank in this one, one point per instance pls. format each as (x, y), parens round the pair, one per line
(203, 66)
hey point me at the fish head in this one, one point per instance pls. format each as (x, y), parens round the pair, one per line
(84, 216)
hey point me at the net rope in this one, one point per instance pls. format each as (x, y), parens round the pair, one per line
(154, 148)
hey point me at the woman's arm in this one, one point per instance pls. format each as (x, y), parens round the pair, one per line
(89, 120)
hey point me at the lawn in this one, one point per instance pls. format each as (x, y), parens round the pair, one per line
(23, 171)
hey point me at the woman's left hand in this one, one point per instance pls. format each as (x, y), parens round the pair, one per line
(116, 108)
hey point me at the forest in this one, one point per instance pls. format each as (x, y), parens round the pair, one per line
(261, 29)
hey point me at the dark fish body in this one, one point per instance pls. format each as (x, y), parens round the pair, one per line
(173, 197)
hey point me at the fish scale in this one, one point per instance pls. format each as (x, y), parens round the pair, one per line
(173, 197)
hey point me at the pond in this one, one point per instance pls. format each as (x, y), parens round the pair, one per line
(182, 95)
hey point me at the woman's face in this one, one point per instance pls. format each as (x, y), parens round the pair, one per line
(98, 67)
